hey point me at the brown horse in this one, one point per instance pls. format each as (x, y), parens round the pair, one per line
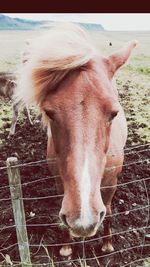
(73, 85)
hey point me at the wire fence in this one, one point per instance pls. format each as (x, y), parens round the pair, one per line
(146, 207)
(53, 160)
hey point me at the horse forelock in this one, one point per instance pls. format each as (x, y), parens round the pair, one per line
(52, 56)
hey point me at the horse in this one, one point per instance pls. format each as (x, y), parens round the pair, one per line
(74, 87)
(7, 89)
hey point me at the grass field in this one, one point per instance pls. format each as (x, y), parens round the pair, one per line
(133, 80)
(12, 43)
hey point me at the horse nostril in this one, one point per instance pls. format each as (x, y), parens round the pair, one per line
(102, 215)
(63, 218)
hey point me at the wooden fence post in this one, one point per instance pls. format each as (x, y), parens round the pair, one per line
(18, 210)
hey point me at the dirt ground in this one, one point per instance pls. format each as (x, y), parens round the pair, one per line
(130, 201)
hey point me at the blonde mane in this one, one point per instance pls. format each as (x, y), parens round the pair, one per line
(63, 48)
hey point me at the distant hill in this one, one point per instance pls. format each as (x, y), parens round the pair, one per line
(8, 23)
(92, 26)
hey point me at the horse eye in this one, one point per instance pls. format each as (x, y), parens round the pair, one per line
(50, 114)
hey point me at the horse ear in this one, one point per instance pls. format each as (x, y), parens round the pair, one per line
(118, 58)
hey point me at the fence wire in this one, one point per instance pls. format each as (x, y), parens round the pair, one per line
(126, 212)
(88, 240)
(58, 176)
(61, 195)
(148, 215)
(99, 256)
(135, 261)
(53, 160)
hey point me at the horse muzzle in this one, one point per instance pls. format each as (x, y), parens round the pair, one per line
(79, 228)
(83, 232)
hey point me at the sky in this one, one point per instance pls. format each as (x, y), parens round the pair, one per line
(110, 21)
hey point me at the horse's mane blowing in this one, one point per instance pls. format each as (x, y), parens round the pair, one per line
(51, 57)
